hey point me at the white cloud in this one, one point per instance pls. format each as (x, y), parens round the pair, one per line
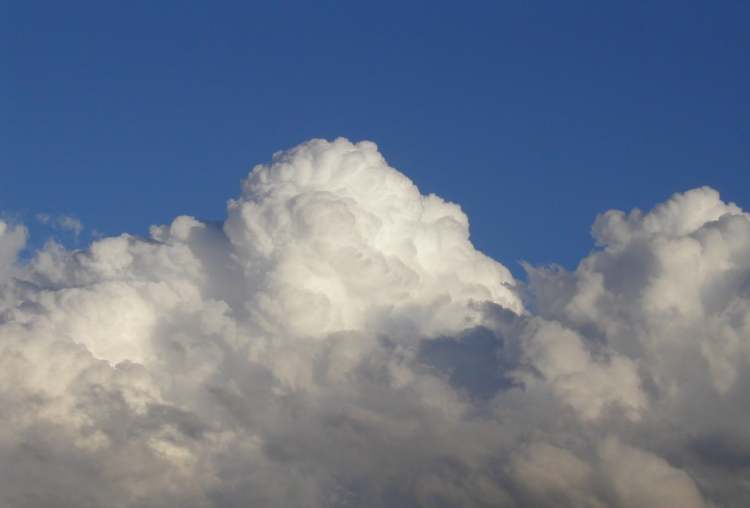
(577, 378)
(338, 341)
(641, 480)
(339, 241)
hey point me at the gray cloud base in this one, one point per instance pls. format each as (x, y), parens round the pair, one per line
(337, 341)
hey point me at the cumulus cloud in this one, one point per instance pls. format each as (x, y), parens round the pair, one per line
(338, 341)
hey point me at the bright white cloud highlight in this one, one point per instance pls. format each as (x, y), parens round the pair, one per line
(338, 341)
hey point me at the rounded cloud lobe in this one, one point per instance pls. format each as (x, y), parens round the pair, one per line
(337, 341)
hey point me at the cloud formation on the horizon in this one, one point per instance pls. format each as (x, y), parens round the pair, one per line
(337, 341)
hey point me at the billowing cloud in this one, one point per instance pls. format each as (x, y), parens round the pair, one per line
(338, 341)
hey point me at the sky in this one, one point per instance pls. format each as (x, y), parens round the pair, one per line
(532, 115)
(374, 256)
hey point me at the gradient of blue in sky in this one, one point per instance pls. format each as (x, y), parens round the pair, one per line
(533, 116)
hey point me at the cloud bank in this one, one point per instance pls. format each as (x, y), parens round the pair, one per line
(337, 341)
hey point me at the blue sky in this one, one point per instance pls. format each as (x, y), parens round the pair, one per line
(533, 116)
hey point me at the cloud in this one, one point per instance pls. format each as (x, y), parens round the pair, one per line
(12, 241)
(62, 223)
(338, 341)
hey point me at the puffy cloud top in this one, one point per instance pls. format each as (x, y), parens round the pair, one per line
(337, 341)
(338, 240)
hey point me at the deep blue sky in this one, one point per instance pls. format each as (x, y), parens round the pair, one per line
(534, 116)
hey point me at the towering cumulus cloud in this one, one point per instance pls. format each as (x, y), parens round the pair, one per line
(337, 341)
